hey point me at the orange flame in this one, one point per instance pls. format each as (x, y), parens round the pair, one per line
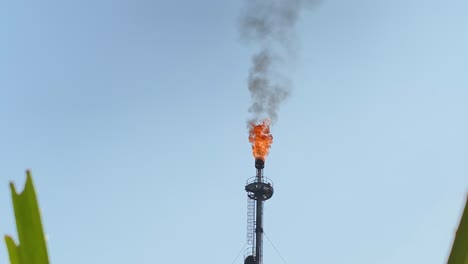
(261, 139)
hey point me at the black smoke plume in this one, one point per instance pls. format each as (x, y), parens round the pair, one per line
(270, 25)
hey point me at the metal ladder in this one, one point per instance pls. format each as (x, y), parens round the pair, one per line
(250, 221)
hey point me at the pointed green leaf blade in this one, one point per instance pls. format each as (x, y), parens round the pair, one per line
(12, 250)
(32, 245)
(459, 254)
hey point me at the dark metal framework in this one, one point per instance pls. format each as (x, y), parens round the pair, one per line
(259, 190)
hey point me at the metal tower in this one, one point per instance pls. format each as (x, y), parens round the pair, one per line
(259, 189)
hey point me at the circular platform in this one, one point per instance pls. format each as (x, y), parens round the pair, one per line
(259, 190)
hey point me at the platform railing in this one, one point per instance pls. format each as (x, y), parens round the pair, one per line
(264, 180)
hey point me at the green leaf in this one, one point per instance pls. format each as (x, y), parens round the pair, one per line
(459, 254)
(32, 246)
(12, 250)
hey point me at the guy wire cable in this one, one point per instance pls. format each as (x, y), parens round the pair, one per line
(269, 240)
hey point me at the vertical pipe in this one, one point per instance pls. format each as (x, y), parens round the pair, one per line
(259, 224)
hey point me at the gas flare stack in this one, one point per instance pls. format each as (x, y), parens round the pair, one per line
(259, 189)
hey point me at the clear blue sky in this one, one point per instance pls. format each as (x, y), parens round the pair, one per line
(131, 115)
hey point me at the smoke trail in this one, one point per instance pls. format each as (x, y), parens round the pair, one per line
(270, 24)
